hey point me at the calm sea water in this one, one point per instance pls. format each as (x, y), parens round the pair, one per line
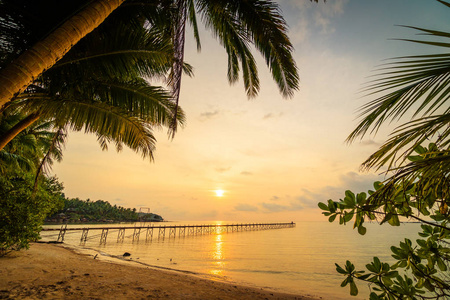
(296, 260)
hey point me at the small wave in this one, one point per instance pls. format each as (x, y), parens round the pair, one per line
(259, 271)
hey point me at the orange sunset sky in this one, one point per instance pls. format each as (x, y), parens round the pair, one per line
(273, 158)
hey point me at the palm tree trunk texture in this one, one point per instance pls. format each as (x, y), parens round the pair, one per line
(16, 129)
(15, 77)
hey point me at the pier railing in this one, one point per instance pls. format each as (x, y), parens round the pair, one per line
(162, 231)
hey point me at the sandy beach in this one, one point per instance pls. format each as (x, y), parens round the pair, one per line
(49, 271)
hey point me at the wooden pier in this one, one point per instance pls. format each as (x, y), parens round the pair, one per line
(171, 231)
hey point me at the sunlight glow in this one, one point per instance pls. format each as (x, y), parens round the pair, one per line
(219, 193)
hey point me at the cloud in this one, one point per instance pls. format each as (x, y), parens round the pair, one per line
(369, 143)
(326, 12)
(272, 115)
(245, 207)
(273, 207)
(246, 173)
(274, 198)
(356, 182)
(208, 115)
(221, 170)
(305, 17)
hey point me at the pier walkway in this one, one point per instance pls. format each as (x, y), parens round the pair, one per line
(163, 230)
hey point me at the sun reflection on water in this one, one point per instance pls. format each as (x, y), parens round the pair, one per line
(217, 254)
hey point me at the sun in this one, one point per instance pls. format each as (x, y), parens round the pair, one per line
(219, 193)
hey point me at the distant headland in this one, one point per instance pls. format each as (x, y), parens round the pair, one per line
(87, 211)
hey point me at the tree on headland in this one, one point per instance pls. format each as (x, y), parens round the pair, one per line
(417, 162)
(75, 210)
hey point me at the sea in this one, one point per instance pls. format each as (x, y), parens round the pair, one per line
(299, 260)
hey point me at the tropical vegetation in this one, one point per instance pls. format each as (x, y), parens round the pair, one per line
(86, 65)
(83, 211)
(26, 196)
(416, 161)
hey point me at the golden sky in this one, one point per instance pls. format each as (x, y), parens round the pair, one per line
(273, 158)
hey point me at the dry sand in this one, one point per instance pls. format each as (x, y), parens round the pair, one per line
(48, 271)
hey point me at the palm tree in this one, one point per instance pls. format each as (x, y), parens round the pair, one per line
(236, 24)
(22, 71)
(98, 86)
(27, 149)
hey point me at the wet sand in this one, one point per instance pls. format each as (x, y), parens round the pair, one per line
(49, 271)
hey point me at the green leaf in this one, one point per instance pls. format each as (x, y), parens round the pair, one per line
(349, 199)
(374, 296)
(371, 268)
(422, 243)
(340, 269)
(415, 158)
(442, 266)
(377, 264)
(331, 206)
(420, 150)
(323, 206)
(361, 198)
(345, 282)
(349, 266)
(362, 230)
(348, 217)
(394, 221)
(364, 277)
(428, 285)
(353, 288)
(331, 218)
(387, 281)
(377, 185)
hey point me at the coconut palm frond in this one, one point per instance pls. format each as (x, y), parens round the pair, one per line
(193, 21)
(178, 39)
(417, 87)
(268, 31)
(104, 120)
(54, 151)
(407, 137)
(427, 172)
(150, 103)
(119, 52)
(26, 148)
(408, 80)
(10, 160)
(228, 29)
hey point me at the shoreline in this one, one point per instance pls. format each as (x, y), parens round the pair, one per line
(61, 271)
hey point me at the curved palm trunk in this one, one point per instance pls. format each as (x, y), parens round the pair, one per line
(16, 129)
(15, 77)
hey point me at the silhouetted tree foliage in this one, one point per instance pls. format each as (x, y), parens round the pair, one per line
(76, 210)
